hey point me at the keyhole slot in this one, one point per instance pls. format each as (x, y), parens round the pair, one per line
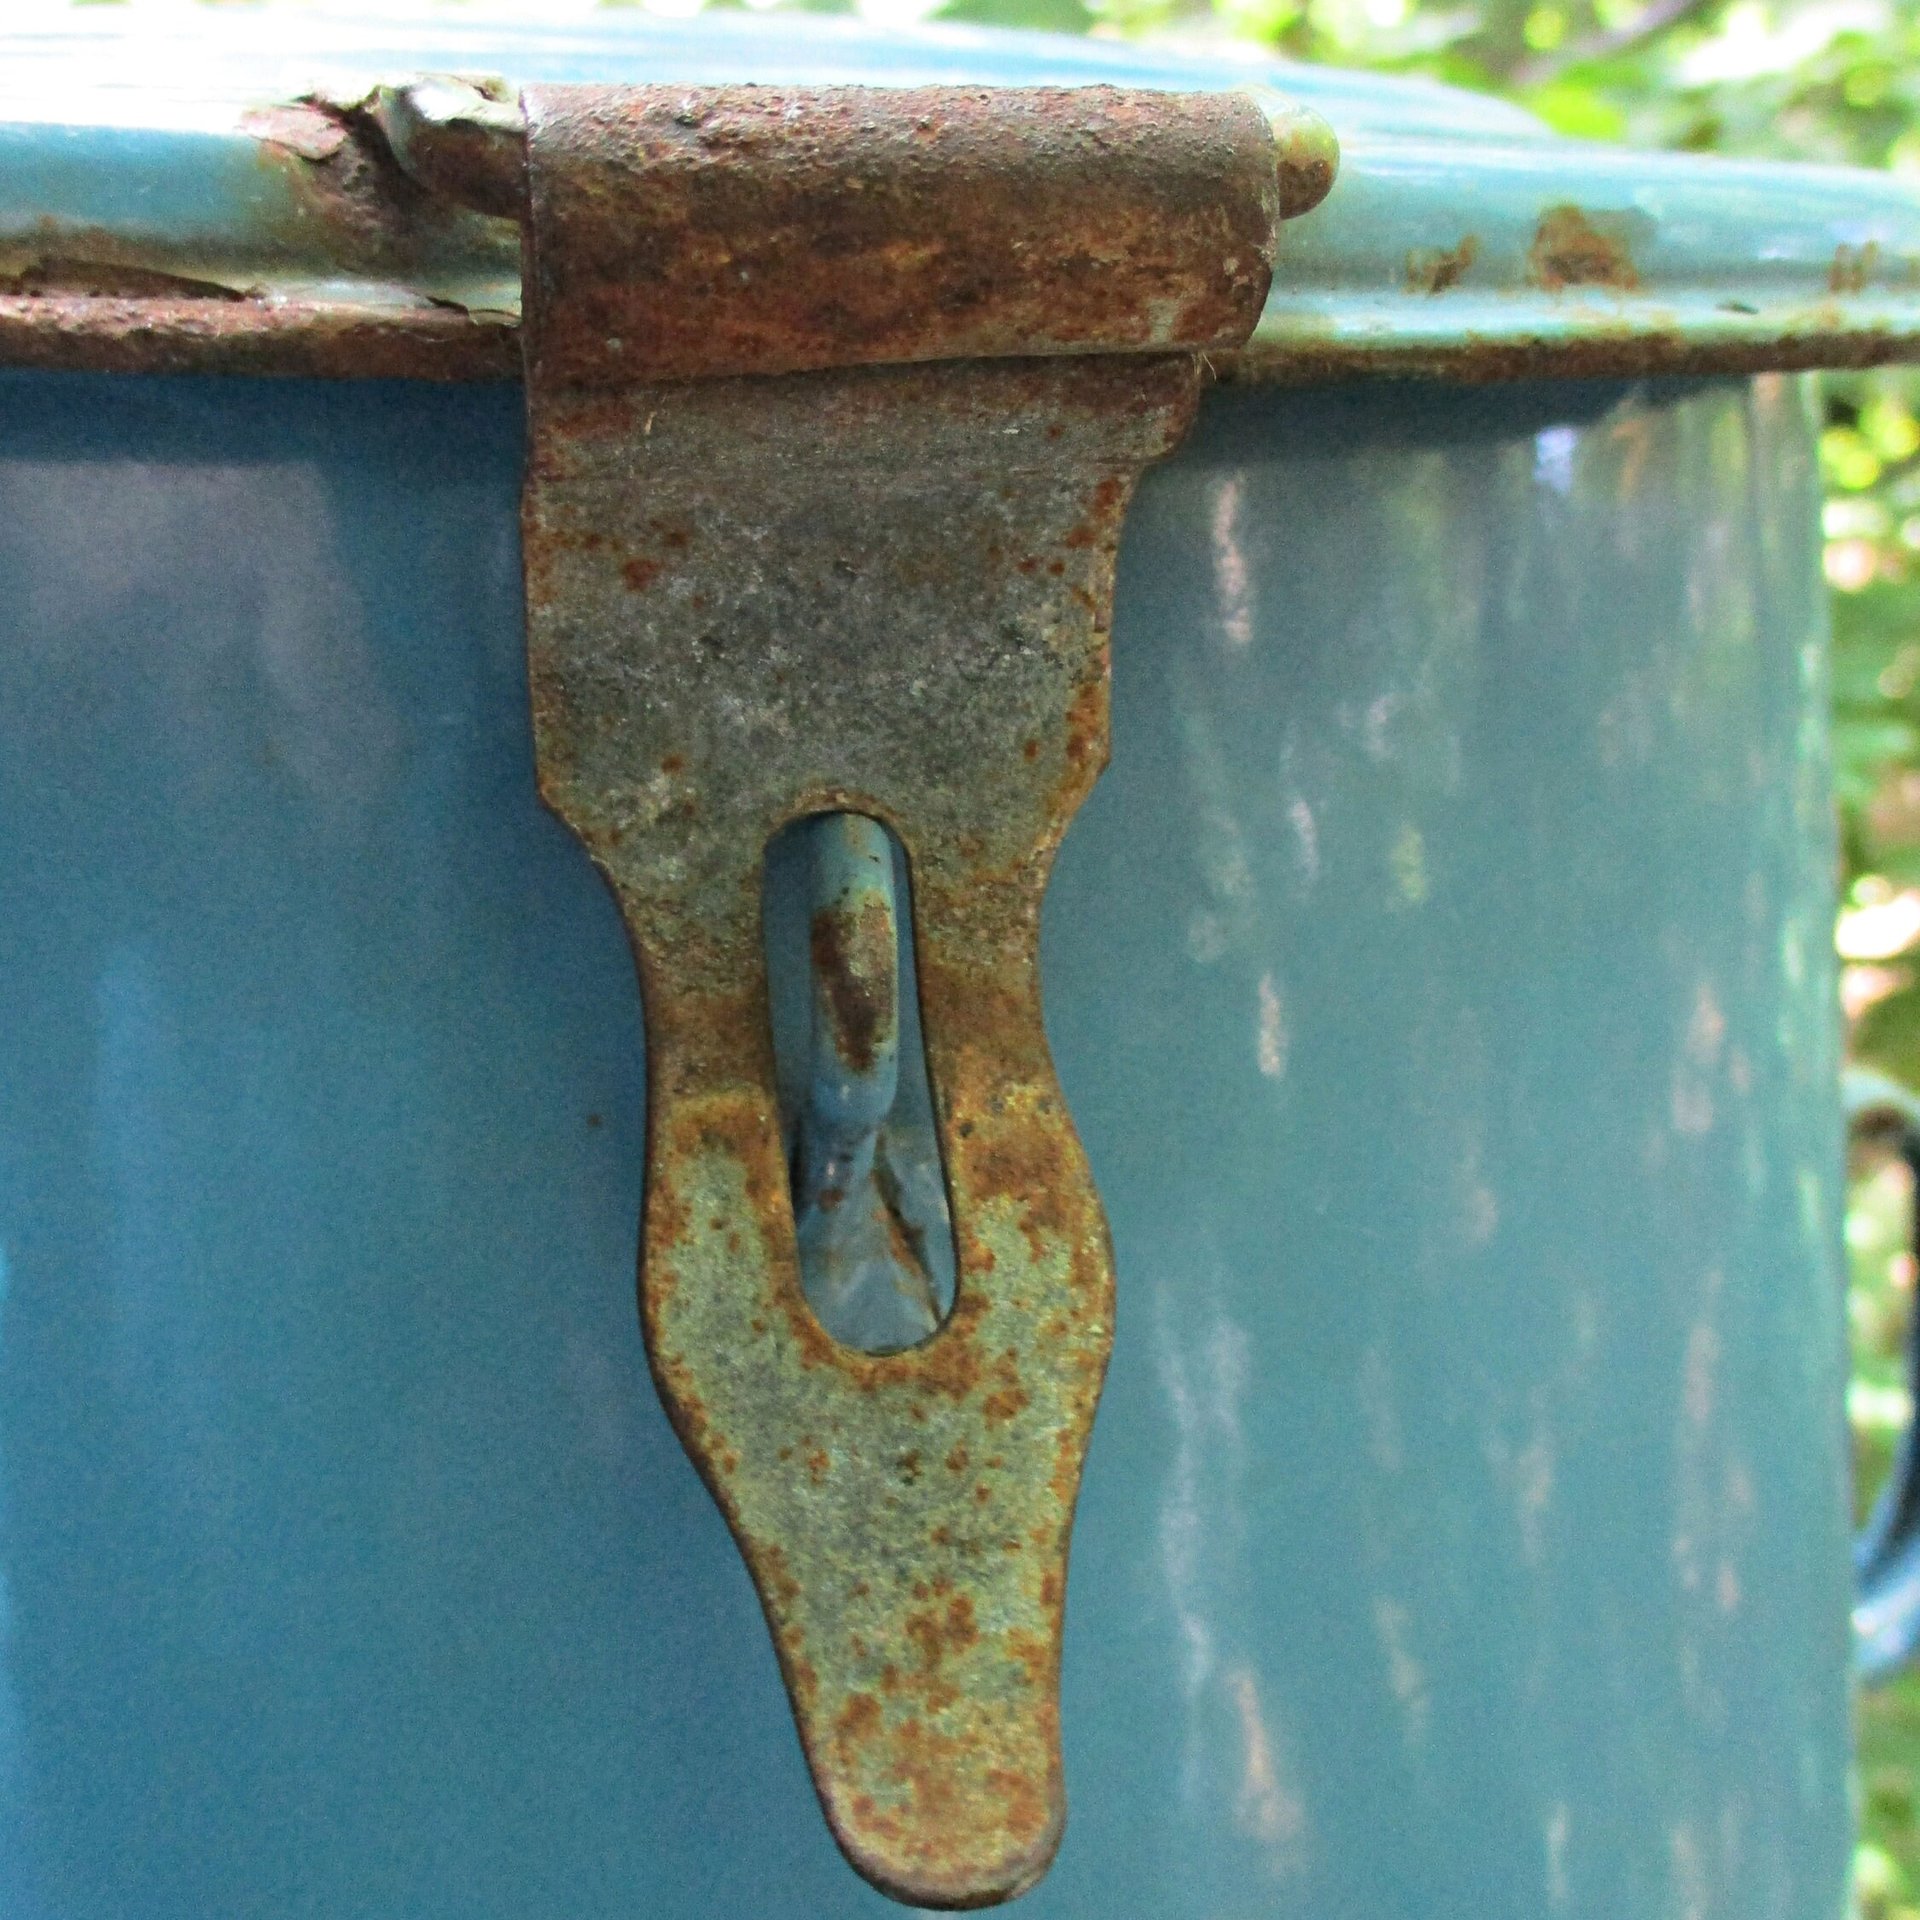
(856, 1111)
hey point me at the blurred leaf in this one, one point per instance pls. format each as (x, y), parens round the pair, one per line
(1847, 458)
(1055, 16)
(1582, 111)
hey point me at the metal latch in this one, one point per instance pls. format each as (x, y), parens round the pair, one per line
(836, 399)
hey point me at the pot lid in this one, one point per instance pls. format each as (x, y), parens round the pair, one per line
(185, 154)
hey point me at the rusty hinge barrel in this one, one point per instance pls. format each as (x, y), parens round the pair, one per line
(693, 233)
(747, 230)
(836, 399)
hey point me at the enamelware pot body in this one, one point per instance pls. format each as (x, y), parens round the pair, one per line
(1441, 981)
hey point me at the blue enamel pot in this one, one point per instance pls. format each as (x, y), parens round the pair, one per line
(1440, 980)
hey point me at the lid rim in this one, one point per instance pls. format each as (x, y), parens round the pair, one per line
(1460, 240)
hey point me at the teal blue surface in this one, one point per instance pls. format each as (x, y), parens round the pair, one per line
(1442, 982)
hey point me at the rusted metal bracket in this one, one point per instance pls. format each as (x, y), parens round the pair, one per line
(836, 401)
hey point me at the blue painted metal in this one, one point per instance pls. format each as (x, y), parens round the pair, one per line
(1886, 1609)
(1440, 978)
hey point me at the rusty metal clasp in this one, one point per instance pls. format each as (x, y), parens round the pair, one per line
(836, 399)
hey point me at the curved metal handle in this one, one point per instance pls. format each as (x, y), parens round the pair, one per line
(1886, 1556)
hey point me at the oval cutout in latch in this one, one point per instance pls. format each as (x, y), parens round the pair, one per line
(869, 1197)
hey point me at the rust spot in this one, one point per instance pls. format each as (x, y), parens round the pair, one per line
(639, 574)
(1435, 269)
(1611, 352)
(803, 1681)
(1035, 1654)
(1023, 1166)
(667, 1222)
(936, 1633)
(1853, 268)
(962, 1632)
(146, 329)
(776, 1574)
(305, 131)
(1572, 249)
(998, 1408)
(859, 1720)
(853, 958)
(72, 266)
